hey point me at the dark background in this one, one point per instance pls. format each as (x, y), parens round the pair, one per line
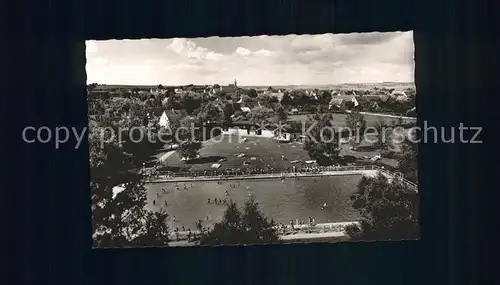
(48, 229)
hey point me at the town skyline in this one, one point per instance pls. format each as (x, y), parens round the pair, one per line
(292, 60)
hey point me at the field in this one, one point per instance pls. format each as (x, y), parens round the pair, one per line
(339, 119)
(344, 86)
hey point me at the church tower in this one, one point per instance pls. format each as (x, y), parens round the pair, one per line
(235, 83)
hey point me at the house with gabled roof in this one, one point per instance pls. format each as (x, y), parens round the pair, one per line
(399, 95)
(170, 116)
(340, 101)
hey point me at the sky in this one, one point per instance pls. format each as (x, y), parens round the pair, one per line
(254, 61)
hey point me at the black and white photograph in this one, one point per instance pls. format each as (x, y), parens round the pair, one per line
(253, 140)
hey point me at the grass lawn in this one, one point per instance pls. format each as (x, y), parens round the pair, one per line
(258, 152)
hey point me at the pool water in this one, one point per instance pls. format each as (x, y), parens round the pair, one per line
(280, 200)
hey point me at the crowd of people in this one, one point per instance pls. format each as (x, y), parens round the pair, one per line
(229, 172)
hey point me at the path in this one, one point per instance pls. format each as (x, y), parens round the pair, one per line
(312, 235)
(330, 230)
(166, 155)
(385, 115)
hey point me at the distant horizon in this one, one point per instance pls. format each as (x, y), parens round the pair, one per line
(272, 85)
(321, 59)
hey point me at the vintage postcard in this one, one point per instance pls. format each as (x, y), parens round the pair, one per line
(253, 140)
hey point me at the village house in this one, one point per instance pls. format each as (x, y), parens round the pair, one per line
(170, 116)
(399, 95)
(157, 91)
(340, 101)
(362, 100)
(231, 88)
(279, 94)
(275, 93)
(245, 109)
(334, 93)
(250, 128)
(412, 112)
(312, 94)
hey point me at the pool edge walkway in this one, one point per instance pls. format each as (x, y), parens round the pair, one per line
(263, 176)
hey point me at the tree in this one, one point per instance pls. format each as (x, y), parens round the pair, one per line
(189, 150)
(281, 114)
(305, 100)
(259, 229)
(286, 100)
(389, 210)
(325, 98)
(321, 141)
(356, 124)
(227, 231)
(264, 101)
(382, 138)
(210, 112)
(295, 127)
(173, 102)
(252, 93)
(260, 114)
(120, 220)
(91, 87)
(188, 135)
(190, 102)
(141, 144)
(408, 158)
(249, 226)
(160, 86)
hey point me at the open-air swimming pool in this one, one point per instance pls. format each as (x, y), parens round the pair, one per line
(283, 201)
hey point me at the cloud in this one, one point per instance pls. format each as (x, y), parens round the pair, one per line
(189, 49)
(264, 52)
(242, 51)
(262, 60)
